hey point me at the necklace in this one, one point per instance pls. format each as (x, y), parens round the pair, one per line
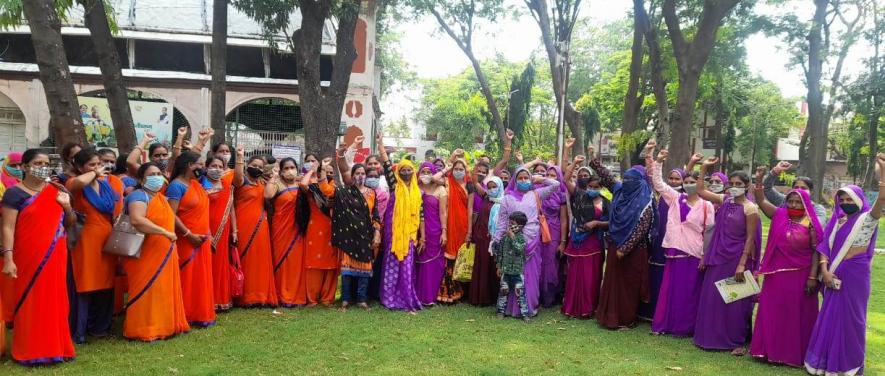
(38, 189)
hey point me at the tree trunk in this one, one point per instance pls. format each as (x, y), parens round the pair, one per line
(322, 117)
(813, 149)
(96, 19)
(658, 84)
(573, 118)
(632, 101)
(218, 68)
(690, 60)
(65, 124)
(870, 178)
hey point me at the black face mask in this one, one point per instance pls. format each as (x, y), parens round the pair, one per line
(198, 173)
(254, 172)
(583, 183)
(406, 176)
(849, 208)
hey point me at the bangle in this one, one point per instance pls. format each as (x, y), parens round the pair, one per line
(812, 278)
(4, 251)
(821, 262)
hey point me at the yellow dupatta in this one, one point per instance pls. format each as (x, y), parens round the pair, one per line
(406, 212)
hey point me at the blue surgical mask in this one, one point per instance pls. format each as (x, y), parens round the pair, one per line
(524, 185)
(372, 183)
(459, 175)
(154, 183)
(15, 172)
(495, 192)
(592, 193)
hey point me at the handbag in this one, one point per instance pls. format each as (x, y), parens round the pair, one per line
(463, 271)
(542, 221)
(237, 279)
(125, 240)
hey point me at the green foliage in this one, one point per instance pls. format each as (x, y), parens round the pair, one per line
(631, 142)
(520, 102)
(769, 117)
(395, 69)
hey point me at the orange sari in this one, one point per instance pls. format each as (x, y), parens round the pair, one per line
(458, 219)
(40, 313)
(221, 254)
(288, 250)
(253, 237)
(196, 262)
(93, 269)
(322, 260)
(155, 309)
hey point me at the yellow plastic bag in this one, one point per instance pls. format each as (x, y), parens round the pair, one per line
(464, 263)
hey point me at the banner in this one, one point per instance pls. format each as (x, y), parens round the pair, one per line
(153, 117)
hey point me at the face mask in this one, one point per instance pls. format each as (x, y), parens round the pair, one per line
(524, 185)
(109, 167)
(162, 164)
(198, 173)
(459, 175)
(40, 172)
(796, 213)
(360, 180)
(372, 182)
(690, 189)
(254, 172)
(849, 208)
(495, 192)
(153, 183)
(514, 228)
(592, 193)
(426, 179)
(583, 182)
(15, 172)
(406, 176)
(481, 177)
(214, 173)
(330, 178)
(537, 175)
(679, 188)
(307, 166)
(717, 188)
(736, 192)
(289, 175)
(225, 158)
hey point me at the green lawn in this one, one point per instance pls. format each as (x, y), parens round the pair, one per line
(451, 340)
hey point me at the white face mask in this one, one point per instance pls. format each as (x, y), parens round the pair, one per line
(426, 179)
(225, 157)
(736, 192)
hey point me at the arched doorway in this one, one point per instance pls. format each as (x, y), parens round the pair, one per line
(150, 112)
(12, 127)
(270, 126)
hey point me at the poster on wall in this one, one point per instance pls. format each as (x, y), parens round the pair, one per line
(153, 117)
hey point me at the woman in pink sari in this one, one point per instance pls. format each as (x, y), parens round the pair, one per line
(788, 302)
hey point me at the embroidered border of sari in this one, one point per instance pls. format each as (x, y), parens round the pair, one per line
(195, 263)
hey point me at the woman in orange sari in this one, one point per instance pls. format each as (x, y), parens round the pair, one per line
(223, 228)
(254, 241)
(313, 215)
(460, 204)
(98, 198)
(35, 255)
(288, 245)
(188, 198)
(155, 309)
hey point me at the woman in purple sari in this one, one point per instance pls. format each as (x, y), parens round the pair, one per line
(402, 223)
(733, 249)
(682, 246)
(556, 213)
(521, 195)
(584, 254)
(788, 301)
(838, 341)
(625, 284)
(430, 261)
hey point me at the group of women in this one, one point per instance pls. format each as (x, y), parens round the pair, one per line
(270, 233)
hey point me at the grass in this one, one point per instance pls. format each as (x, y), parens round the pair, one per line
(443, 340)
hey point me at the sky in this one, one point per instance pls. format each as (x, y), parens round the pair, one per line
(434, 55)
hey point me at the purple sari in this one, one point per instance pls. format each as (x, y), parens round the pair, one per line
(838, 341)
(786, 313)
(430, 263)
(721, 326)
(680, 286)
(398, 277)
(549, 283)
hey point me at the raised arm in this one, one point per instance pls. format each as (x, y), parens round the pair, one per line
(343, 165)
(764, 204)
(505, 157)
(876, 212)
(239, 168)
(605, 176)
(176, 147)
(203, 138)
(695, 159)
(78, 182)
(569, 171)
(133, 161)
(566, 158)
(776, 198)
(273, 185)
(550, 185)
(702, 189)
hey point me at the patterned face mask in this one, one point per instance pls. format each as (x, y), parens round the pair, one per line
(41, 172)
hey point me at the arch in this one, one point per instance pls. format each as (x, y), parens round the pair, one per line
(13, 126)
(236, 99)
(266, 125)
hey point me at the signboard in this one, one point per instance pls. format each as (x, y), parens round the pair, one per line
(710, 143)
(154, 117)
(286, 151)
